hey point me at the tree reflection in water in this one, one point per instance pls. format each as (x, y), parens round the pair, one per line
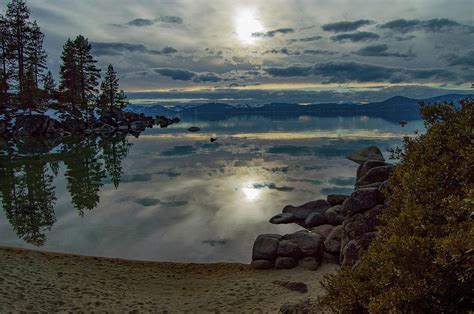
(28, 169)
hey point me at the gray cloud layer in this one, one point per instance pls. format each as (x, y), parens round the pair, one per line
(345, 26)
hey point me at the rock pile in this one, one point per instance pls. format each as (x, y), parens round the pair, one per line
(338, 227)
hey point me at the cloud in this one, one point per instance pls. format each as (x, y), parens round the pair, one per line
(343, 72)
(305, 39)
(319, 52)
(186, 75)
(115, 48)
(159, 20)
(141, 22)
(179, 151)
(149, 202)
(274, 32)
(345, 26)
(382, 51)
(461, 60)
(356, 37)
(433, 25)
(272, 186)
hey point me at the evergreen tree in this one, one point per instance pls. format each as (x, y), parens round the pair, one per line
(36, 58)
(69, 76)
(111, 97)
(17, 16)
(4, 61)
(88, 73)
(49, 88)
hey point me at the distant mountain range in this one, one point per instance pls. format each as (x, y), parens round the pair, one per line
(393, 109)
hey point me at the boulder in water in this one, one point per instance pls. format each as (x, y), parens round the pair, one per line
(365, 154)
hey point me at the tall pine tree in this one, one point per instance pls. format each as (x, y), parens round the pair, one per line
(111, 97)
(4, 63)
(49, 88)
(69, 76)
(35, 60)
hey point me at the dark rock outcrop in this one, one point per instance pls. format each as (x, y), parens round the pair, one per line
(375, 175)
(266, 246)
(336, 199)
(334, 215)
(315, 219)
(285, 262)
(262, 264)
(366, 154)
(332, 244)
(362, 199)
(283, 218)
(323, 230)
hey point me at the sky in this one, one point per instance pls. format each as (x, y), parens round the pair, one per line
(407, 47)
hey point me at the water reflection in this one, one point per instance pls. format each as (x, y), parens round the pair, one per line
(28, 170)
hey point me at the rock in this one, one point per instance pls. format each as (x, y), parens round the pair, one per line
(262, 264)
(293, 286)
(315, 219)
(375, 185)
(332, 244)
(303, 211)
(375, 175)
(285, 263)
(334, 199)
(355, 226)
(323, 230)
(194, 129)
(105, 128)
(362, 199)
(366, 166)
(351, 252)
(331, 258)
(283, 218)
(309, 262)
(287, 248)
(365, 154)
(265, 247)
(371, 216)
(36, 126)
(334, 215)
(310, 244)
(137, 125)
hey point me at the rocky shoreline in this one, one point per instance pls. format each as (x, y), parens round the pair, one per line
(338, 228)
(61, 124)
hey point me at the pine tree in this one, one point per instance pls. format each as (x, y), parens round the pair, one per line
(49, 88)
(69, 76)
(36, 55)
(17, 16)
(4, 61)
(88, 73)
(111, 97)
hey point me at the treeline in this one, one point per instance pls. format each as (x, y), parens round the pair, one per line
(27, 85)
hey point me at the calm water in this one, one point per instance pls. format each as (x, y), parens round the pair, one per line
(171, 195)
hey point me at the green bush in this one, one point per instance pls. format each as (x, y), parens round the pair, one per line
(422, 257)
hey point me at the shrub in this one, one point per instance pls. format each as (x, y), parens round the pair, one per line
(422, 257)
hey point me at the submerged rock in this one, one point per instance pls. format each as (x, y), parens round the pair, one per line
(194, 129)
(365, 154)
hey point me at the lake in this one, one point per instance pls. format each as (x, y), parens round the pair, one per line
(172, 195)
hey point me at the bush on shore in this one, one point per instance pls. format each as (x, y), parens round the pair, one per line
(422, 258)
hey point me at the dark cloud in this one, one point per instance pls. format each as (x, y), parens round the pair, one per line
(305, 39)
(147, 202)
(345, 26)
(113, 49)
(186, 75)
(433, 25)
(169, 20)
(382, 51)
(214, 243)
(274, 32)
(356, 37)
(319, 52)
(461, 60)
(343, 72)
(272, 186)
(141, 22)
(179, 151)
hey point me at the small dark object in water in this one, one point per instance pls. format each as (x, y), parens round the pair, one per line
(403, 123)
(194, 129)
(213, 140)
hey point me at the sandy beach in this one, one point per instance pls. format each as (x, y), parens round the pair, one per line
(51, 282)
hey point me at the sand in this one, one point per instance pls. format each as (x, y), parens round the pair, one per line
(50, 282)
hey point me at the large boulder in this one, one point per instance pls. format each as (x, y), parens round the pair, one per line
(265, 247)
(303, 211)
(371, 216)
(310, 244)
(315, 219)
(366, 166)
(352, 250)
(309, 262)
(285, 263)
(334, 215)
(36, 126)
(323, 230)
(361, 200)
(287, 248)
(355, 226)
(375, 175)
(336, 199)
(332, 244)
(283, 218)
(365, 154)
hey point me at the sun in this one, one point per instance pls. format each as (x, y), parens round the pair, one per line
(246, 24)
(251, 193)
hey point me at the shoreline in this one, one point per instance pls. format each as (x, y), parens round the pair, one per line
(45, 281)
